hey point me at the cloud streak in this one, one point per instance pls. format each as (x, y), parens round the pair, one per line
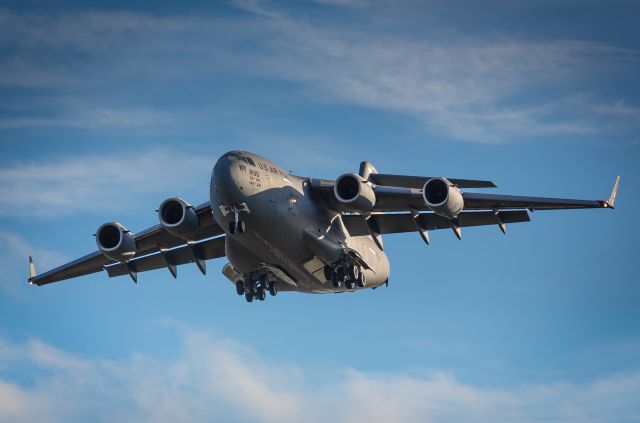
(14, 250)
(219, 379)
(94, 183)
(466, 89)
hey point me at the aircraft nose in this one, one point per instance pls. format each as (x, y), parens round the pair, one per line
(225, 180)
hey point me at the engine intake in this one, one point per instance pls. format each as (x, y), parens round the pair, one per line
(442, 197)
(178, 217)
(115, 241)
(354, 192)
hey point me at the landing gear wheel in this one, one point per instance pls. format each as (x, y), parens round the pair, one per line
(242, 227)
(349, 284)
(341, 274)
(336, 282)
(240, 287)
(354, 272)
(273, 288)
(248, 296)
(260, 294)
(328, 273)
(232, 227)
(250, 285)
(362, 280)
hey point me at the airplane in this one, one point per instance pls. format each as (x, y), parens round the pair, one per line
(281, 232)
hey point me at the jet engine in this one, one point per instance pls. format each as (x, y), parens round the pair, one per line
(178, 217)
(442, 197)
(354, 192)
(115, 241)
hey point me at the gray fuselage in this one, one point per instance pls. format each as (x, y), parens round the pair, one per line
(288, 229)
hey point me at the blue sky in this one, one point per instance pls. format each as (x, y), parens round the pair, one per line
(106, 110)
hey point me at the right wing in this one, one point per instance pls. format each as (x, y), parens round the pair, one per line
(149, 244)
(419, 181)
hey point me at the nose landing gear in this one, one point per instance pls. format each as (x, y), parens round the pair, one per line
(237, 224)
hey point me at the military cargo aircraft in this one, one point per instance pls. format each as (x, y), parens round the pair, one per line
(282, 232)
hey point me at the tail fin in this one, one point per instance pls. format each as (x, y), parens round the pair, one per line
(366, 169)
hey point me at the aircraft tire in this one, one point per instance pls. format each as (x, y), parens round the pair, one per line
(349, 284)
(362, 280)
(328, 273)
(336, 282)
(250, 285)
(260, 294)
(354, 272)
(248, 296)
(240, 287)
(273, 288)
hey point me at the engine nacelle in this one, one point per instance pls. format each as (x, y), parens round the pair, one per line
(178, 217)
(354, 192)
(115, 241)
(442, 197)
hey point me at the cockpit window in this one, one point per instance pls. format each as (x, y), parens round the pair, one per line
(249, 160)
(231, 156)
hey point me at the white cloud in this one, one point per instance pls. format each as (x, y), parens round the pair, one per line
(220, 380)
(491, 88)
(14, 252)
(93, 183)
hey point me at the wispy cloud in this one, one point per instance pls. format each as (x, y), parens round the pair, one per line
(14, 251)
(91, 183)
(218, 379)
(490, 88)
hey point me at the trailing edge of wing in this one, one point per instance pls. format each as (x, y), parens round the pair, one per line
(406, 222)
(189, 253)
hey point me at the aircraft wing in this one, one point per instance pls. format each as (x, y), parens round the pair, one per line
(150, 243)
(419, 181)
(402, 198)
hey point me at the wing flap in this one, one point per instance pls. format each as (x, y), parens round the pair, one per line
(404, 222)
(189, 253)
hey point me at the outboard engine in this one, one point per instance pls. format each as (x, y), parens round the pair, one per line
(442, 197)
(115, 241)
(354, 192)
(178, 217)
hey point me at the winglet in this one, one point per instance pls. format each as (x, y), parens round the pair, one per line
(611, 202)
(32, 270)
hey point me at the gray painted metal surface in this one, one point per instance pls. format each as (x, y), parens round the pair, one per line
(282, 232)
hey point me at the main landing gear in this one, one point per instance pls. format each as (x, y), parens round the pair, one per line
(349, 274)
(256, 288)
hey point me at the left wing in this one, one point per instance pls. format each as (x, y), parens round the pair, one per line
(402, 198)
(150, 245)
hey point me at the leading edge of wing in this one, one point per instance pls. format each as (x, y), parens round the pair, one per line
(482, 201)
(419, 181)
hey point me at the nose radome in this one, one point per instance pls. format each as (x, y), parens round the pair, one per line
(226, 180)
